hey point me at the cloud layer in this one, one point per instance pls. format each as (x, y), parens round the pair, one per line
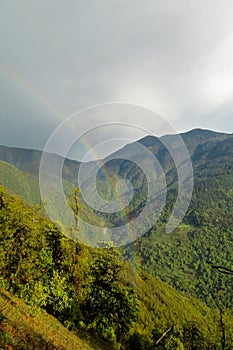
(175, 57)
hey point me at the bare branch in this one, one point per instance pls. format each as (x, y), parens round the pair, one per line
(221, 269)
(164, 334)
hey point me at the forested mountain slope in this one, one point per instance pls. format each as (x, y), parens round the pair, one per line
(183, 257)
(20, 183)
(92, 290)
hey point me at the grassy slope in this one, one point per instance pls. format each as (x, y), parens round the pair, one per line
(19, 330)
(161, 306)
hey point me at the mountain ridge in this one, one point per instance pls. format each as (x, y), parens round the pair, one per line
(147, 140)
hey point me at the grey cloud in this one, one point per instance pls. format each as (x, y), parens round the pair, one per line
(173, 56)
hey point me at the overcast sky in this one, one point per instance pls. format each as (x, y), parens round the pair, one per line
(57, 57)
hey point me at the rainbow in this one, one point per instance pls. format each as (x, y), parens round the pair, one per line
(35, 92)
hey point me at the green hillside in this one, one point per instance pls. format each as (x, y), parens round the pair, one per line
(206, 235)
(24, 159)
(90, 292)
(19, 183)
(28, 161)
(19, 329)
(181, 259)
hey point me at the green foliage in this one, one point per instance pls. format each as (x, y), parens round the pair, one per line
(20, 183)
(109, 308)
(20, 331)
(139, 342)
(183, 258)
(94, 290)
(85, 289)
(79, 287)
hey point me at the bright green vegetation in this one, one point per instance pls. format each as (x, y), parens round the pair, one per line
(48, 270)
(206, 235)
(20, 183)
(90, 292)
(97, 292)
(22, 330)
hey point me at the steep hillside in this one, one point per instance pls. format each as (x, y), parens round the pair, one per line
(206, 235)
(89, 291)
(181, 258)
(20, 183)
(28, 161)
(20, 329)
(24, 159)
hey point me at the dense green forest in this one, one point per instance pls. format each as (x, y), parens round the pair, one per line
(94, 291)
(183, 258)
(158, 292)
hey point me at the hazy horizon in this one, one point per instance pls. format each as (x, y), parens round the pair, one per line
(117, 149)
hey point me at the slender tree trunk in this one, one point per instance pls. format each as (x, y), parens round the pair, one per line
(164, 334)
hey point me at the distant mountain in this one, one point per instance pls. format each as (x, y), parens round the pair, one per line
(19, 172)
(28, 161)
(193, 140)
(183, 258)
(20, 183)
(211, 153)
